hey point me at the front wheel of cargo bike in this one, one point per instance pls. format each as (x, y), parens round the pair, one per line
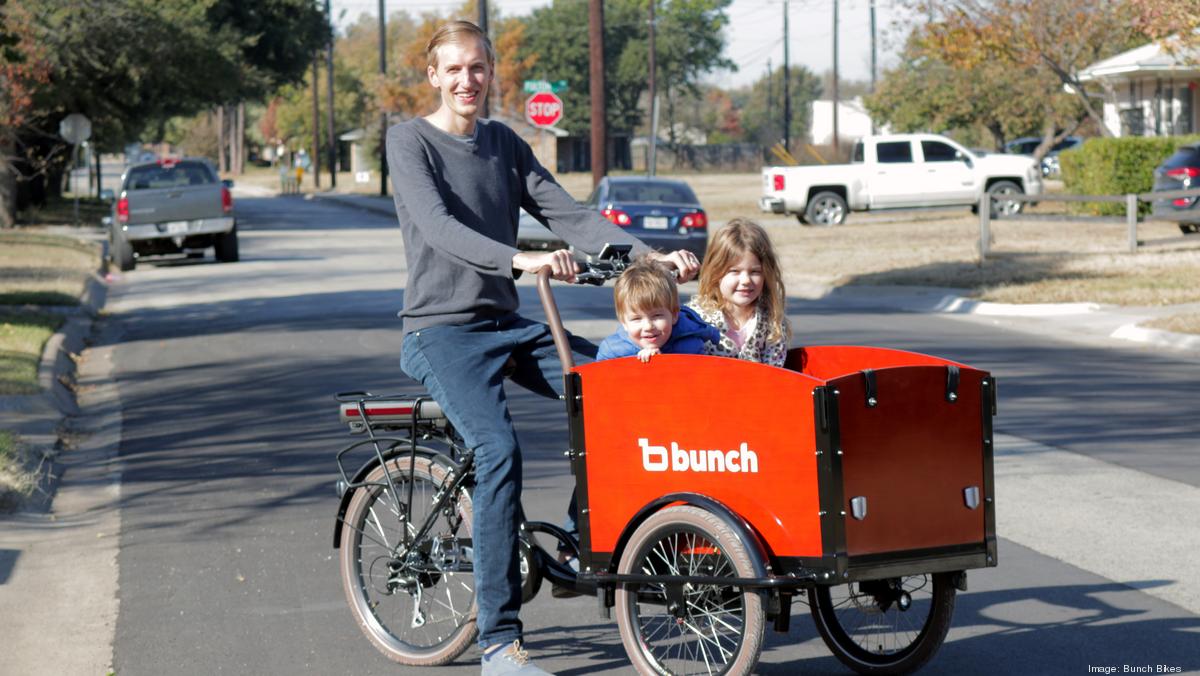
(689, 628)
(417, 609)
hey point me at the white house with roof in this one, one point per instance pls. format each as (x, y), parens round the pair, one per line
(1148, 91)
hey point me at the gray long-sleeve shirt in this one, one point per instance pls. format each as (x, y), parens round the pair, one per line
(458, 203)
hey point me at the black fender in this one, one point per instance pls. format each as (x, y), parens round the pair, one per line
(760, 558)
(396, 448)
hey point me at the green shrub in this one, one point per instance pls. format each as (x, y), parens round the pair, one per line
(1116, 166)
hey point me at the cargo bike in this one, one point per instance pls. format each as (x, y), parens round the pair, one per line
(712, 494)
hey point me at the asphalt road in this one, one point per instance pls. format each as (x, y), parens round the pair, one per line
(227, 476)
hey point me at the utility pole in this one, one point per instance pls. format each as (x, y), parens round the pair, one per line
(873, 62)
(596, 73)
(483, 26)
(383, 168)
(316, 122)
(835, 76)
(331, 129)
(768, 96)
(787, 99)
(652, 163)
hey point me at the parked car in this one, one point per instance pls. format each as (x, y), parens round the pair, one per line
(1180, 171)
(664, 213)
(898, 171)
(1027, 144)
(172, 206)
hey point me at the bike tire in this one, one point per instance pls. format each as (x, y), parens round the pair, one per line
(416, 618)
(721, 630)
(872, 636)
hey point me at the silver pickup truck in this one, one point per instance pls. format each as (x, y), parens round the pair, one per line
(172, 206)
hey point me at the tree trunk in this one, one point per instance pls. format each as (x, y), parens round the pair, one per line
(221, 165)
(8, 189)
(241, 139)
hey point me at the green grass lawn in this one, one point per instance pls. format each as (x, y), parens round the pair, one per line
(22, 337)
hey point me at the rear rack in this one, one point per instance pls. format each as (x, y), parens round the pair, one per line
(387, 410)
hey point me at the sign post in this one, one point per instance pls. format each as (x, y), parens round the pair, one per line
(75, 129)
(544, 109)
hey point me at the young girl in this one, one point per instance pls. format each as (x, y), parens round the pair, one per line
(741, 293)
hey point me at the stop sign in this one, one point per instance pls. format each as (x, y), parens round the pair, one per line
(544, 109)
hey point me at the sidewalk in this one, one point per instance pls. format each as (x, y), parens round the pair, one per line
(58, 556)
(1107, 324)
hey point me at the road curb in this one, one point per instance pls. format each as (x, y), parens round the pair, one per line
(1138, 334)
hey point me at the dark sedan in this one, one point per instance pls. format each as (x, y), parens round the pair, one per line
(1181, 171)
(663, 213)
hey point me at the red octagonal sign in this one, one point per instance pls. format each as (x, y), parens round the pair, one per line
(544, 109)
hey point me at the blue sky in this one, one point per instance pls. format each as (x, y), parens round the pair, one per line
(754, 37)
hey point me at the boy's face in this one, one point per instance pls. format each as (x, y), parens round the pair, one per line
(462, 76)
(649, 327)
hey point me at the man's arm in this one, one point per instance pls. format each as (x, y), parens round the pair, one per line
(587, 230)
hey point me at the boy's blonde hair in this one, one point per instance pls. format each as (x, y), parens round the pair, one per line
(738, 237)
(645, 285)
(457, 31)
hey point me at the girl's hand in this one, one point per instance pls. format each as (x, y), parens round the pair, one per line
(645, 353)
(684, 261)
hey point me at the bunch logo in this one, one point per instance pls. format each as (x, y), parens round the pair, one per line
(676, 459)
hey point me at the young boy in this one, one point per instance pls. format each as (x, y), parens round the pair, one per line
(647, 303)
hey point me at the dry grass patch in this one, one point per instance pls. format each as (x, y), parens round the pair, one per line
(43, 269)
(1184, 323)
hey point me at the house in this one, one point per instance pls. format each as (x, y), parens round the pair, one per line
(1148, 91)
(854, 122)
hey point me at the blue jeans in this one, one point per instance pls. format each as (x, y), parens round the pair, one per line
(461, 366)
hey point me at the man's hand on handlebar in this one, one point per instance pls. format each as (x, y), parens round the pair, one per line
(684, 261)
(562, 265)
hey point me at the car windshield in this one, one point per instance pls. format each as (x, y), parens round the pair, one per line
(655, 192)
(169, 175)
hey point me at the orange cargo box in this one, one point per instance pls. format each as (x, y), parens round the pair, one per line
(852, 462)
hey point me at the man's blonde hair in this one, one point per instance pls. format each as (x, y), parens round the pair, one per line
(457, 31)
(645, 285)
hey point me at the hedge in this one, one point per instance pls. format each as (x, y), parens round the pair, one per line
(1116, 166)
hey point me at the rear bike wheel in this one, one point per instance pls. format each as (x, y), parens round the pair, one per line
(416, 604)
(890, 626)
(689, 628)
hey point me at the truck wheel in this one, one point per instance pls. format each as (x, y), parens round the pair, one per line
(122, 251)
(826, 208)
(227, 246)
(1189, 228)
(801, 219)
(1000, 206)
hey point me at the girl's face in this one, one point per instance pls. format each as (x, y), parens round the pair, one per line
(742, 283)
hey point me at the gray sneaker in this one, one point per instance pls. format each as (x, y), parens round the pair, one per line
(512, 660)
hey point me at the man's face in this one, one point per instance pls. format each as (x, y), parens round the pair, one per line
(462, 76)
(649, 327)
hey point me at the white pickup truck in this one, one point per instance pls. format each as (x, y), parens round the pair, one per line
(898, 171)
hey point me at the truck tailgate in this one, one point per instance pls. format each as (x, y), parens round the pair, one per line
(159, 205)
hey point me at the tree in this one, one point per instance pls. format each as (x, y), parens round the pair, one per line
(689, 43)
(925, 93)
(761, 105)
(132, 65)
(1056, 37)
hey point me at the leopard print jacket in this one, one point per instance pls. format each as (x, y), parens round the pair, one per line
(756, 348)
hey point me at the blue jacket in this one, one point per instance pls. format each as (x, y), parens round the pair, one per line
(687, 337)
